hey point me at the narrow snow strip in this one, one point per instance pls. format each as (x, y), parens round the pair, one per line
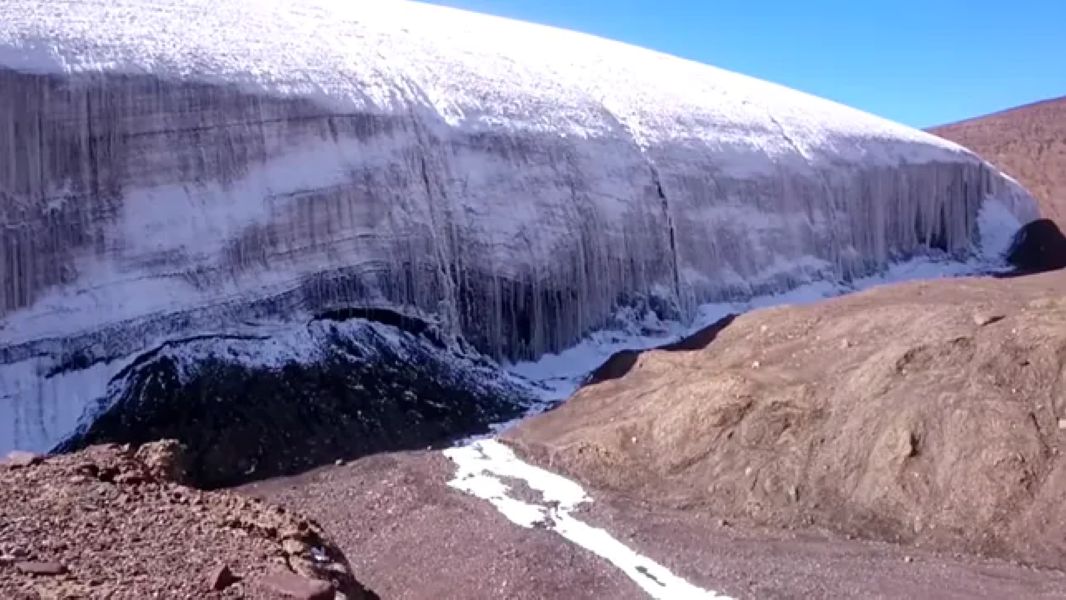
(484, 464)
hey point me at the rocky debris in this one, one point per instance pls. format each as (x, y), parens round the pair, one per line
(110, 521)
(290, 585)
(18, 459)
(166, 460)
(931, 430)
(40, 568)
(374, 390)
(981, 318)
(220, 578)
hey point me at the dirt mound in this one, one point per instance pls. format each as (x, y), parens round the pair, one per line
(622, 361)
(1029, 143)
(931, 413)
(109, 522)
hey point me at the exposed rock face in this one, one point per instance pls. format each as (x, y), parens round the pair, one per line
(1039, 246)
(107, 523)
(342, 390)
(199, 168)
(925, 413)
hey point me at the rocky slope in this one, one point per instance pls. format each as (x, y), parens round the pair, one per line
(199, 169)
(249, 408)
(112, 523)
(1027, 142)
(926, 413)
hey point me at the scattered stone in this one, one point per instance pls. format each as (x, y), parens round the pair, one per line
(1062, 424)
(40, 568)
(114, 522)
(845, 344)
(723, 523)
(755, 364)
(129, 478)
(220, 578)
(291, 585)
(908, 559)
(291, 546)
(19, 459)
(981, 318)
(166, 460)
(338, 462)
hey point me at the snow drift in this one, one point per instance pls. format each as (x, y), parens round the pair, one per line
(205, 167)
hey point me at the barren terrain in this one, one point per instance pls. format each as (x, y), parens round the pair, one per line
(1029, 143)
(110, 523)
(931, 414)
(412, 536)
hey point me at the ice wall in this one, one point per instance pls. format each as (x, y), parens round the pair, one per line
(205, 166)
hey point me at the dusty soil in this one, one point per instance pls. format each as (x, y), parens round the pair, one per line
(931, 413)
(410, 536)
(1029, 143)
(111, 523)
(759, 563)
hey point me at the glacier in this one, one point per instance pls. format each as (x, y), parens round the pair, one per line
(217, 168)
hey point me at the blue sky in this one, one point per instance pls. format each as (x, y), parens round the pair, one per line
(920, 62)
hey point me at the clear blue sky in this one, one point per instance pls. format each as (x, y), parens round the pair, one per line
(920, 62)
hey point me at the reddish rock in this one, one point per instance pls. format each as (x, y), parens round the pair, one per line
(166, 460)
(40, 568)
(220, 578)
(115, 521)
(18, 459)
(291, 585)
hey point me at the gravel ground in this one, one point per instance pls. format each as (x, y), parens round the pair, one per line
(108, 523)
(748, 562)
(411, 536)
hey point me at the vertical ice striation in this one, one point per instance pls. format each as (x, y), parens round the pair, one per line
(177, 168)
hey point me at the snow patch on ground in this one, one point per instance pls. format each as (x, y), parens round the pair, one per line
(482, 468)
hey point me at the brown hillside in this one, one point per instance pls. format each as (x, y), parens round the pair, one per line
(1028, 143)
(930, 413)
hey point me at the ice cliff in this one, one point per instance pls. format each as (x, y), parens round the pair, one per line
(202, 167)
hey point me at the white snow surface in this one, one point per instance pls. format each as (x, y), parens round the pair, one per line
(472, 70)
(483, 469)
